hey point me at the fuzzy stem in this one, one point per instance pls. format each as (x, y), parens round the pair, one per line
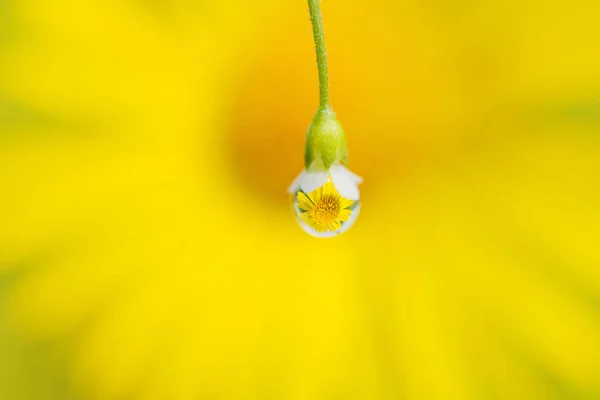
(317, 25)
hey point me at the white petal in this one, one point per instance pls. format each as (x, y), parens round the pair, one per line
(343, 182)
(296, 184)
(313, 180)
(355, 178)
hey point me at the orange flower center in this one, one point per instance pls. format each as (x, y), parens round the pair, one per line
(326, 210)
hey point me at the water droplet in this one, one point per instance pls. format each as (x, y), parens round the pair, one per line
(323, 212)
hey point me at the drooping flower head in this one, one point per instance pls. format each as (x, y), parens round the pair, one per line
(325, 196)
(326, 203)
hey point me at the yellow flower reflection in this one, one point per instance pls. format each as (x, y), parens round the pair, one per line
(324, 209)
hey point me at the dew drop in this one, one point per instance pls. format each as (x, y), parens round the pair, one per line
(323, 212)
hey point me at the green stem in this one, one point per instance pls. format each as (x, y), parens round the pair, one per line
(317, 25)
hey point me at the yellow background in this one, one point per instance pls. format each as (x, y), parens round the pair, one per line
(147, 247)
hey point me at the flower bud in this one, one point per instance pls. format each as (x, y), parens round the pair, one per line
(325, 142)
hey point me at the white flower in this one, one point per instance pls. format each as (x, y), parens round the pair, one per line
(345, 181)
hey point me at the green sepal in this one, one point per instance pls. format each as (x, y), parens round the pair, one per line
(325, 142)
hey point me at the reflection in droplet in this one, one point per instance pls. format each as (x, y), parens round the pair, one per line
(323, 212)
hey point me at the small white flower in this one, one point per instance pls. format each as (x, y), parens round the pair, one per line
(326, 203)
(325, 196)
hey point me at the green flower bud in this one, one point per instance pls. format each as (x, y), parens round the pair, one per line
(325, 142)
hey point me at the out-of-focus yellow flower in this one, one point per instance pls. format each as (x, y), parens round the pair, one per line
(130, 130)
